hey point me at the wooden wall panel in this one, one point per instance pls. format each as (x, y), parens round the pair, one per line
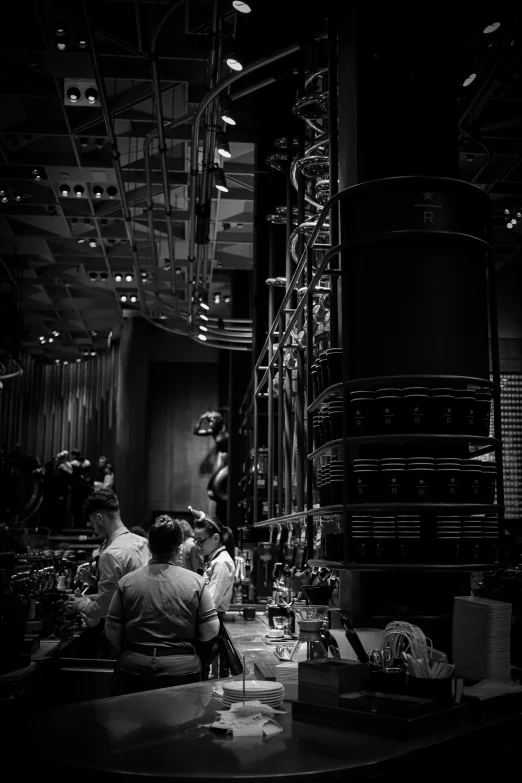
(178, 394)
(55, 407)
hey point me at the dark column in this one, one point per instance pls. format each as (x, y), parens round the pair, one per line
(131, 419)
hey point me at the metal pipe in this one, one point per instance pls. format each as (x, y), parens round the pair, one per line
(115, 154)
(162, 149)
(309, 360)
(280, 424)
(271, 417)
(333, 149)
(194, 171)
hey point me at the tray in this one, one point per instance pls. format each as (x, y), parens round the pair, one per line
(391, 726)
(495, 707)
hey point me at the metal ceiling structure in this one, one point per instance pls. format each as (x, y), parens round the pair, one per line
(69, 257)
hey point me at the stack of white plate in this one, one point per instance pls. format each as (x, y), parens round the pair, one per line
(265, 691)
(481, 638)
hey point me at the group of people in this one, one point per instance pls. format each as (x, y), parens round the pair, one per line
(66, 484)
(159, 602)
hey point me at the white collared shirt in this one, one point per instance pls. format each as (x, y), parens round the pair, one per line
(220, 574)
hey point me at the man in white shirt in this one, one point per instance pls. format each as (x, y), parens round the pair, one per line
(121, 553)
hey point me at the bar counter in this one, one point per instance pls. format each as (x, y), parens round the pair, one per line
(248, 639)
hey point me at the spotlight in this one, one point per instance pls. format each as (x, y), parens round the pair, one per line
(510, 225)
(134, 299)
(222, 145)
(79, 190)
(204, 305)
(56, 334)
(123, 298)
(104, 276)
(491, 28)
(203, 317)
(178, 270)
(220, 179)
(227, 298)
(203, 328)
(2, 192)
(506, 211)
(202, 337)
(82, 44)
(57, 361)
(93, 353)
(99, 143)
(144, 274)
(60, 29)
(92, 243)
(42, 338)
(81, 241)
(226, 114)
(166, 264)
(128, 278)
(66, 362)
(217, 299)
(112, 192)
(469, 80)
(78, 360)
(91, 94)
(233, 62)
(84, 143)
(243, 8)
(65, 190)
(61, 44)
(93, 275)
(18, 195)
(470, 158)
(5, 199)
(50, 340)
(514, 221)
(97, 191)
(74, 94)
(118, 278)
(37, 174)
(518, 215)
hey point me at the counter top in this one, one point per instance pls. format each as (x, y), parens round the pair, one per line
(248, 638)
(160, 736)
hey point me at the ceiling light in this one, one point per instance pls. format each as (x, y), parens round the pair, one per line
(79, 190)
(84, 142)
(97, 191)
(93, 353)
(82, 44)
(18, 196)
(220, 179)
(202, 337)
(123, 298)
(227, 298)
(471, 78)
(134, 299)
(78, 360)
(57, 361)
(91, 94)
(203, 328)
(104, 275)
(243, 8)
(99, 143)
(166, 264)
(112, 192)
(204, 305)
(128, 278)
(37, 174)
(74, 94)
(81, 241)
(66, 362)
(118, 278)
(42, 339)
(510, 225)
(65, 190)
(506, 211)
(93, 275)
(518, 215)
(92, 243)
(50, 340)
(203, 316)
(5, 199)
(56, 334)
(226, 114)
(217, 299)
(491, 28)
(514, 221)
(222, 145)
(144, 274)
(61, 45)
(2, 192)
(233, 62)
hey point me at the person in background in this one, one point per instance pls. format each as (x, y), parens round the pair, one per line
(157, 615)
(139, 531)
(215, 542)
(105, 478)
(190, 556)
(80, 484)
(121, 553)
(63, 472)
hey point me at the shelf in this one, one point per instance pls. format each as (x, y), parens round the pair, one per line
(487, 444)
(406, 380)
(337, 388)
(280, 520)
(400, 567)
(325, 510)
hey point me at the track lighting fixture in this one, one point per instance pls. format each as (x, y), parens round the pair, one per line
(506, 211)
(112, 192)
(18, 195)
(97, 191)
(144, 274)
(203, 317)
(50, 339)
(61, 43)
(233, 62)
(78, 361)
(74, 94)
(57, 361)
(5, 199)
(227, 298)
(60, 29)
(37, 174)
(203, 328)
(469, 79)
(509, 225)
(93, 275)
(204, 305)
(222, 145)
(134, 299)
(202, 337)
(243, 8)
(518, 215)
(128, 278)
(81, 241)
(66, 362)
(84, 143)
(79, 190)
(65, 190)
(91, 94)
(123, 298)
(99, 143)
(226, 113)
(82, 43)
(118, 278)
(217, 299)
(42, 338)
(93, 243)
(220, 179)
(56, 334)
(166, 265)
(104, 276)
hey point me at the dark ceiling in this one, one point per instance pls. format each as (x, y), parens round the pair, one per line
(56, 250)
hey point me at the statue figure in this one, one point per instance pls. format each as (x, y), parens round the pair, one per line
(217, 487)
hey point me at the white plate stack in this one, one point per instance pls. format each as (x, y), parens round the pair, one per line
(481, 638)
(265, 691)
